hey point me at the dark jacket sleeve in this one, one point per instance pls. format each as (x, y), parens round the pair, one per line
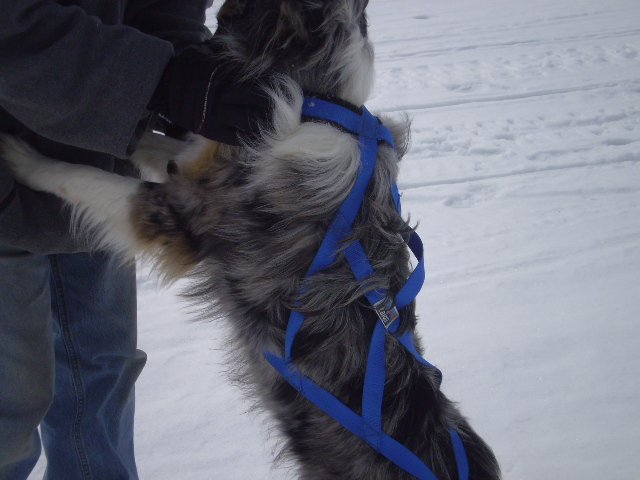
(70, 78)
(182, 22)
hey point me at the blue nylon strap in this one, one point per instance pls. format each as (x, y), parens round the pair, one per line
(351, 205)
(324, 110)
(410, 290)
(332, 406)
(362, 268)
(368, 426)
(375, 375)
(460, 453)
(361, 125)
(396, 197)
(336, 232)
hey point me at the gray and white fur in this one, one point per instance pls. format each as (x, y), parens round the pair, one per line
(244, 223)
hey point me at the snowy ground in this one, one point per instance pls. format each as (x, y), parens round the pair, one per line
(525, 176)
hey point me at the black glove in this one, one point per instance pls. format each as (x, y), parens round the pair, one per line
(200, 91)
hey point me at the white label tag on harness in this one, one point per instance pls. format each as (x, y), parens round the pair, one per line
(387, 312)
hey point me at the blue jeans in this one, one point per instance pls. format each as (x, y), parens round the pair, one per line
(68, 362)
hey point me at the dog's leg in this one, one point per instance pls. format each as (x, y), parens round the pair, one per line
(100, 201)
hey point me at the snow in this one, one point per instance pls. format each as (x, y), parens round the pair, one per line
(524, 175)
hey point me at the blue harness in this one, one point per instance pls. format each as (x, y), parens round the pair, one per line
(367, 426)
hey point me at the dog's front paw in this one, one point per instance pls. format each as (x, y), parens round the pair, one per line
(25, 163)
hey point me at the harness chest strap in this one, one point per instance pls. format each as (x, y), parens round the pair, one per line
(367, 426)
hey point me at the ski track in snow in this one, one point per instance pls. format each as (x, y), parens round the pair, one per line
(524, 177)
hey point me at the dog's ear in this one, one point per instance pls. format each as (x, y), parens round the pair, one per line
(231, 9)
(271, 25)
(299, 22)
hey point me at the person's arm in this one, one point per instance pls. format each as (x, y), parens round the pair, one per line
(74, 80)
(182, 22)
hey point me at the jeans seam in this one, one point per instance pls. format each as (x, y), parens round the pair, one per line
(74, 365)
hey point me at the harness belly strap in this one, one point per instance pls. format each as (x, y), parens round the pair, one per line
(367, 426)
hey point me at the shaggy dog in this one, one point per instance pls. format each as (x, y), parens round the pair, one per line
(245, 223)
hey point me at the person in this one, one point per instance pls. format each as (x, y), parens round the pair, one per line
(81, 81)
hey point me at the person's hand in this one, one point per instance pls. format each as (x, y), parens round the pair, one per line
(200, 91)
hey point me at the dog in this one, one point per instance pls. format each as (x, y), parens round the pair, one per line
(244, 223)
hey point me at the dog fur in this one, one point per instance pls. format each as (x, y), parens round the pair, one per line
(244, 223)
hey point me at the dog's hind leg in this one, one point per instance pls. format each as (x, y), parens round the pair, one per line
(100, 201)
